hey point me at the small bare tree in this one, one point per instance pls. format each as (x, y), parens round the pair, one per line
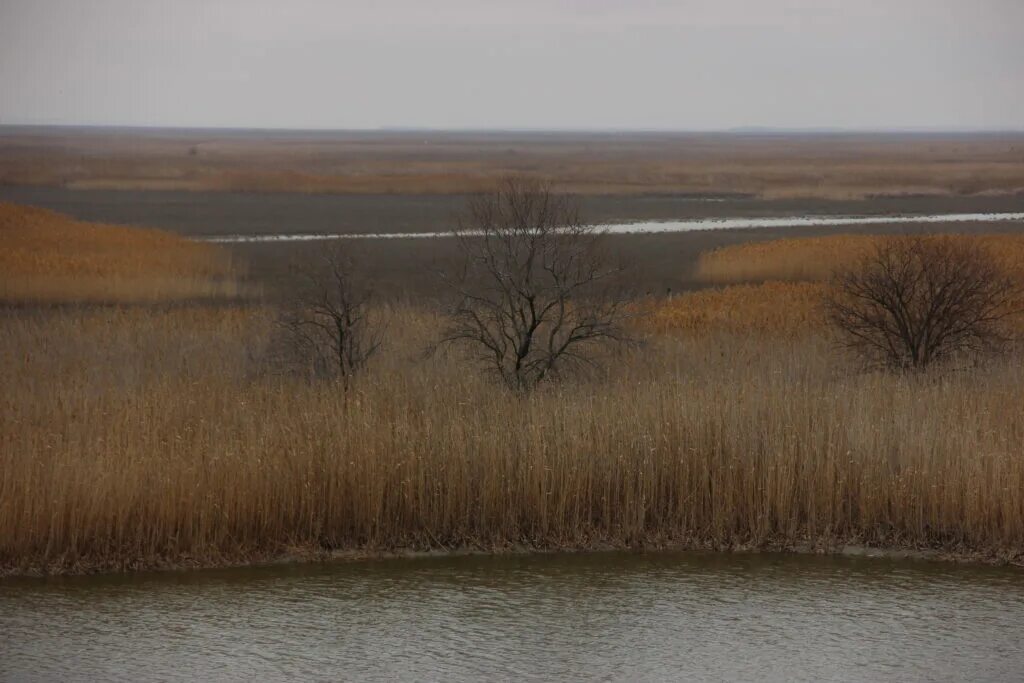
(327, 329)
(533, 287)
(916, 300)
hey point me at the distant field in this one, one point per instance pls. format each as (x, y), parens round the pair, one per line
(768, 166)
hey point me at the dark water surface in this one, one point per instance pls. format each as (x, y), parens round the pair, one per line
(272, 213)
(407, 268)
(607, 616)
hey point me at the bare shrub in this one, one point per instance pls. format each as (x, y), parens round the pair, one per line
(327, 330)
(534, 290)
(913, 301)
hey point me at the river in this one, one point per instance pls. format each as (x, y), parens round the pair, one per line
(599, 616)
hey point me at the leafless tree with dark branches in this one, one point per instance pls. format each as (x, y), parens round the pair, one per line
(328, 329)
(917, 300)
(535, 293)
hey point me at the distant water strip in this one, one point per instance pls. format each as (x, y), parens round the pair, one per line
(647, 227)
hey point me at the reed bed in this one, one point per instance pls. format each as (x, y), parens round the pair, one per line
(816, 258)
(164, 437)
(166, 434)
(775, 309)
(50, 257)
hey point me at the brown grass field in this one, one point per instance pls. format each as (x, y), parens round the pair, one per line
(772, 166)
(163, 435)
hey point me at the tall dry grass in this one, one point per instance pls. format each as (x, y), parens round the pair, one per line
(772, 309)
(50, 257)
(778, 288)
(159, 437)
(816, 258)
(164, 435)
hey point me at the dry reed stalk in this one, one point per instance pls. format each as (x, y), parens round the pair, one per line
(156, 439)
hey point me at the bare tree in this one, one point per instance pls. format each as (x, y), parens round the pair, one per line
(327, 329)
(920, 299)
(533, 286)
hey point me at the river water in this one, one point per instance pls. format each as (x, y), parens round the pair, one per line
(646, 227)
(602, 616)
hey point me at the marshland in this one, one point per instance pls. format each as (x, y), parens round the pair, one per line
(553, 340)
(155, 414)
(150, 421)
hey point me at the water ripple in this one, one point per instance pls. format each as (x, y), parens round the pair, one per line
(608, 617)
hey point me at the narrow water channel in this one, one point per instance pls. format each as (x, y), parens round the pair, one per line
(645, 227)
(605, 616)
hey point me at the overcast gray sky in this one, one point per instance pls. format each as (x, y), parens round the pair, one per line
(646, 64)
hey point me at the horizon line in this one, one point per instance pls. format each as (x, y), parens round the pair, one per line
(742, 130)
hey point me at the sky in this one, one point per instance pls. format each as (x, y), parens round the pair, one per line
(528, 64)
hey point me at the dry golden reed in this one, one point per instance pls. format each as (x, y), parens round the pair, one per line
(158, 438)
(782, 285)
(51, 257)
(164, 435)
(776, 308)
(816, 258)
